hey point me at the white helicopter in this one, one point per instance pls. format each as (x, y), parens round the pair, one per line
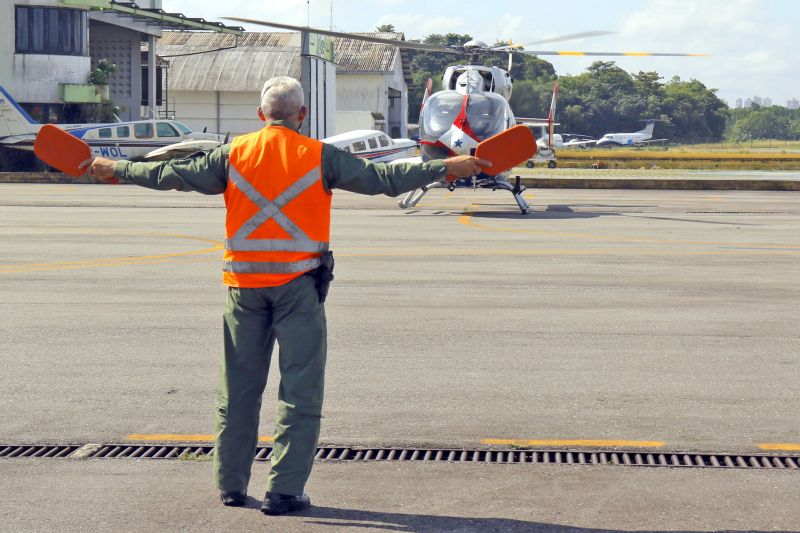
(142, 139)
(472, 105)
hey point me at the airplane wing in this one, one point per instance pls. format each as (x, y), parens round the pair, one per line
(580, 144)
(535, 121)
(648, 141)
(182, 149)
(412, 160)
(13, 140)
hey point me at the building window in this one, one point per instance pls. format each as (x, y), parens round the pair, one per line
(50, 30)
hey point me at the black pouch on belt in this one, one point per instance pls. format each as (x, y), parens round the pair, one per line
(324, 275)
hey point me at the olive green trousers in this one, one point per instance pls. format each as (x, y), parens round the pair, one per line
(254, 319)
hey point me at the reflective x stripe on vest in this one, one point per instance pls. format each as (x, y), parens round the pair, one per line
(299, 242)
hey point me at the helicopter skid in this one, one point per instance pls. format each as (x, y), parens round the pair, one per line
(516, 190)
(412, 198)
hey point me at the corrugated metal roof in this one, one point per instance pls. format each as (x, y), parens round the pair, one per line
(259, 56)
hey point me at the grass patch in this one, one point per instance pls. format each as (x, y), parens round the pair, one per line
(191, 456)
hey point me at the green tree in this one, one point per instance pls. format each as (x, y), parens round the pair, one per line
(385, 28)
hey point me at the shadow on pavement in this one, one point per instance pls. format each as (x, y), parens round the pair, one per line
(325, 517)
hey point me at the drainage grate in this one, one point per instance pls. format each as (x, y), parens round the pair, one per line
(355, 454)
(554, 457)
(38, 451)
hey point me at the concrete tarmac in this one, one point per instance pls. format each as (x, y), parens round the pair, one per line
(649, 318)
(129, 495)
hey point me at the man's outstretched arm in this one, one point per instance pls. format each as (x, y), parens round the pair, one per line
(203, 172)
(345, 171)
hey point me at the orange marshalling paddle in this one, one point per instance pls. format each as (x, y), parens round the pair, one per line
(62, 150)
(507, 149)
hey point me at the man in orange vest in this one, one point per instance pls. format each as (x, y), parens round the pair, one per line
(277, 185)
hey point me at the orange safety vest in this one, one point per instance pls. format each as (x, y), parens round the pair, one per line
(278, 211)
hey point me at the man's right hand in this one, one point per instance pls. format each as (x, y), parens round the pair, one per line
(464, 166)
(99, 167)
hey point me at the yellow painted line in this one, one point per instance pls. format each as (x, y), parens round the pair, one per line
(578, 442)
(180, 438)
(780, 447)
(119, 261)
(571, 53)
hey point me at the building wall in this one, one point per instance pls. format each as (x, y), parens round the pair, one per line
(397, 81)
(357, 93)
(121, 46)
(34, 78)
(220, 112)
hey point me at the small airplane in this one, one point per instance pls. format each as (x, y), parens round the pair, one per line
(638, 138)
(373, 145)
(117, 140)
(617, 140)
(471, 107)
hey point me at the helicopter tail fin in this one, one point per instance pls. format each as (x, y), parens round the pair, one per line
(13, 119)
(551, 117)
(426, 94)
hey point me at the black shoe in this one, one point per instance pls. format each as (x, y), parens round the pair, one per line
(233, 498)
(275, 503)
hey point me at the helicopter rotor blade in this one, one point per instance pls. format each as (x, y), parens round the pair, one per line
(610, 54)
(356, 37)
(571, 36)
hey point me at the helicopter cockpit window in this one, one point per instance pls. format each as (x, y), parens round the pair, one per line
(486, 116)
(440, 112)
(384, 140)
(372, 142)
(359, 146)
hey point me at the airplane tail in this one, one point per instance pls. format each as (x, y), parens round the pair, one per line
(648, 128)
(13, 119)
(552, 116)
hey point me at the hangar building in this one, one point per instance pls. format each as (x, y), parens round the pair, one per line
(219, 89)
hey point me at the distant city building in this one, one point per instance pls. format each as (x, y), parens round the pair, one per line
(738, 103)
(748, 103)
(767, 101)
(793, 103)
(758, 101)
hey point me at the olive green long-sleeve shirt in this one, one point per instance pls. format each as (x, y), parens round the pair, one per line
(207, 173)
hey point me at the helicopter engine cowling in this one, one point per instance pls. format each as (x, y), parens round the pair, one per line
(453, 123)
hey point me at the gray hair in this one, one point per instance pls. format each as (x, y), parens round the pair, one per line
(281, 98)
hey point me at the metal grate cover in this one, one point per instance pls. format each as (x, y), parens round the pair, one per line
(421, 455)
(11, 451)
(554, 457)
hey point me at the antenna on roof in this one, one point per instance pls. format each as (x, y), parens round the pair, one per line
(308, 12)
(331, 15)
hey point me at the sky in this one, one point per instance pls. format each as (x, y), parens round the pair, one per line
(752, 46)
